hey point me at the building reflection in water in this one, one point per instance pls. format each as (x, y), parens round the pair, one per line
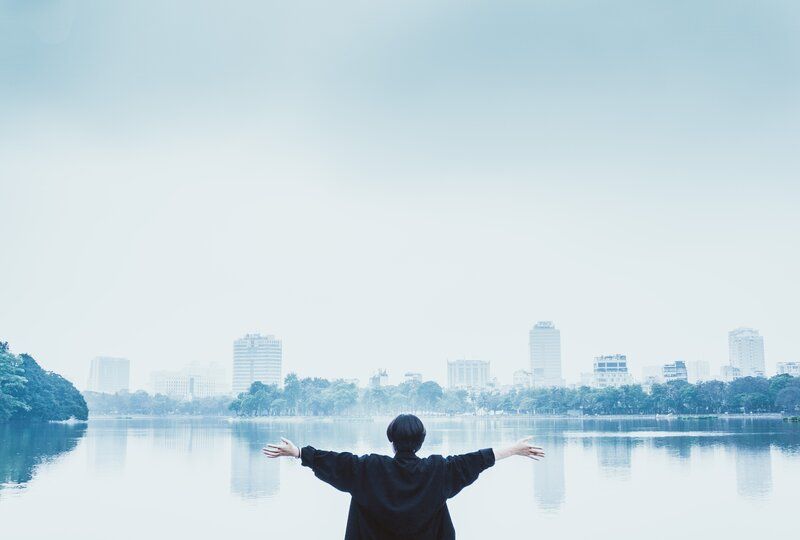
(23, 448)
(107, 444)
(753, 471)
(253, 476)
(614, 456)
(548, 476)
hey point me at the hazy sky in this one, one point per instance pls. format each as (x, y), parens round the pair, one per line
(397, 184)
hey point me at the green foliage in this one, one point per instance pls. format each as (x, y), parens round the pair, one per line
(142, 403)
(29, 393)
(11, 384)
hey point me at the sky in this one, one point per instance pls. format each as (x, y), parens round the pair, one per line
(397, 184)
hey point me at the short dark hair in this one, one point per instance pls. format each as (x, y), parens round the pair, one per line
(406, 433)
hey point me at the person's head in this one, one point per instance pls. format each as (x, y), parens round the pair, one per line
(406, 433)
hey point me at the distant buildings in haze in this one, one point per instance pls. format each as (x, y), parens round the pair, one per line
(256, 358)
(789, 368)
(521, 379)
(379, 378)
(698, 370)
(544, 341)
(194, 381)
(729, 373)
(109, 375)
(675, 371)
(467, 373)
(412, 376)
(609, 371)
(746, 352)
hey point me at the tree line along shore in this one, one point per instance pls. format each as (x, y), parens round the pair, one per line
(29, 393)
(314, 396)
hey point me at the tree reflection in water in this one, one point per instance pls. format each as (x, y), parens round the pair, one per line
(23, 447)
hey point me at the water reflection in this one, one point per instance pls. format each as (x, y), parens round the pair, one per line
(548, 476)
(754, 471)
(24, 447)
(252, 475)
(614, 456)
(107, 445)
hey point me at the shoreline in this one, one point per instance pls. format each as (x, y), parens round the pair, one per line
(442, 417)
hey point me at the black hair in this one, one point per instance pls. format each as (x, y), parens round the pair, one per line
(406, 433)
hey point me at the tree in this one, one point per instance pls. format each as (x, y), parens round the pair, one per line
(29, 393)
(788, 399)
(11, 384)
(430, 394)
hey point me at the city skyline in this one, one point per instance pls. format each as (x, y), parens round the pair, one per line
(650, 373)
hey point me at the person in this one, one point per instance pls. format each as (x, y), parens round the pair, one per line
(404, 496)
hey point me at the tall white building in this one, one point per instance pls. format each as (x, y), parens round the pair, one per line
(256, 358)
(109, 375)
(467, 373)
(544, 340)
(611, 370)
(194, 381)
(746, 351)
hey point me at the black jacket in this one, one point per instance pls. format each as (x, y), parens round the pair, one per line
(403, 497)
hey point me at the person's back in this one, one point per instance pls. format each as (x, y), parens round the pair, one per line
(404, 496)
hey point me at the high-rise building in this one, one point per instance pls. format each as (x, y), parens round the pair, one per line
(109, 375)
(379, 378)
(256, 358)
(611, 370)
(746, 351)
(675, 371)
(698, 370)
(467, 373)
(789, 368)
(521, 379)
(544, 340)
(194, 381)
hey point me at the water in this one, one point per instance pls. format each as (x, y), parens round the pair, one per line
(205, 478)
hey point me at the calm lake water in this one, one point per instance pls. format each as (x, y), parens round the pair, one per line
(206, 478)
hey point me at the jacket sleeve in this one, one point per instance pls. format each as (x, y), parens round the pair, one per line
(462, 470)
(342, 470)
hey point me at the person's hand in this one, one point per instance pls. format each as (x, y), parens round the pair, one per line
(523, 447)
(284, 448)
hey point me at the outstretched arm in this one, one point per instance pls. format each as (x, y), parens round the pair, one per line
(342, 470)
(522, 447)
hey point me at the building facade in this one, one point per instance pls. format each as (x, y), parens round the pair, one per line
(467, 373)
(610, 370)
(789, 368)
(521, 379)
(109, 375)
(729, 373)
(675, 371)
(379, 378)
(746, 351)
(195, 381)
(412, 376)
(698, 370)
(256, 358)
(544, 341)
